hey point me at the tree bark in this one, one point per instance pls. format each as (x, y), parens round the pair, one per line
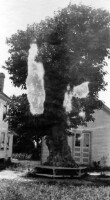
(59, 150)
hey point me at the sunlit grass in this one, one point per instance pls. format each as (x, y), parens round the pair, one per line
(13, 190)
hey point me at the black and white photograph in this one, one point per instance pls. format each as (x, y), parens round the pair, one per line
(54, 100)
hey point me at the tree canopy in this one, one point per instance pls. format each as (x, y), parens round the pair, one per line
(19, 116)
(72, 47)
(23, 123)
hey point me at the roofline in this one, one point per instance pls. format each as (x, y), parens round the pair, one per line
(5, 96)
(106, 108)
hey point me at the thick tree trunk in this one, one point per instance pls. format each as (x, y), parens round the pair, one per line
(59, 150)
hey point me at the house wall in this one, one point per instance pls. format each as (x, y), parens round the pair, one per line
(4, 152)
(9, 149)
(100, 136)
(2, 103)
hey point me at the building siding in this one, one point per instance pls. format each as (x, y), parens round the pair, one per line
(100, 136)
(4, 153)
(2, 103)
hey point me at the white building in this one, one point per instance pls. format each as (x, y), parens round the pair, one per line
(6, 139)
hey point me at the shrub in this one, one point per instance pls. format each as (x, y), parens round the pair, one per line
(22, 156)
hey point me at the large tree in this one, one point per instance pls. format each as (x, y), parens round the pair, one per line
(72, 47)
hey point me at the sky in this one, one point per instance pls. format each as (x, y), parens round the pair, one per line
(16, 15)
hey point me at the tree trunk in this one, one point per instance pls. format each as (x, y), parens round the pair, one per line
(59, 150)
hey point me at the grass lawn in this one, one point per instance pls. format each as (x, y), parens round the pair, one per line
(50, 189)
(13, 190)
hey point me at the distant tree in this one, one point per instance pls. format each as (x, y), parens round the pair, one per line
(72, 46)
(22, 123)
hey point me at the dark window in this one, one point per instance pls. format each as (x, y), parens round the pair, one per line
(86, 140)
(2, 140)
(77, 142)
(4, 111)
(8, 142)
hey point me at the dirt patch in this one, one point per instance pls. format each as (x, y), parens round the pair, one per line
(10, 174)
(18, 169)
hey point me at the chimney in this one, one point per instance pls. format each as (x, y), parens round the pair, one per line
(2, 76)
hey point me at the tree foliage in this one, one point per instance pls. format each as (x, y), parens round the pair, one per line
(72, 46)
(23, 124)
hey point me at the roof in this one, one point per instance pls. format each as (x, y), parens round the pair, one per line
(4, 97)
(106, 108)
(82, 128)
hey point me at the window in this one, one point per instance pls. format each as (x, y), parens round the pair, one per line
(4, 111)
(86, 140)
(77, 142)
(8, 142)
(2, 140)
